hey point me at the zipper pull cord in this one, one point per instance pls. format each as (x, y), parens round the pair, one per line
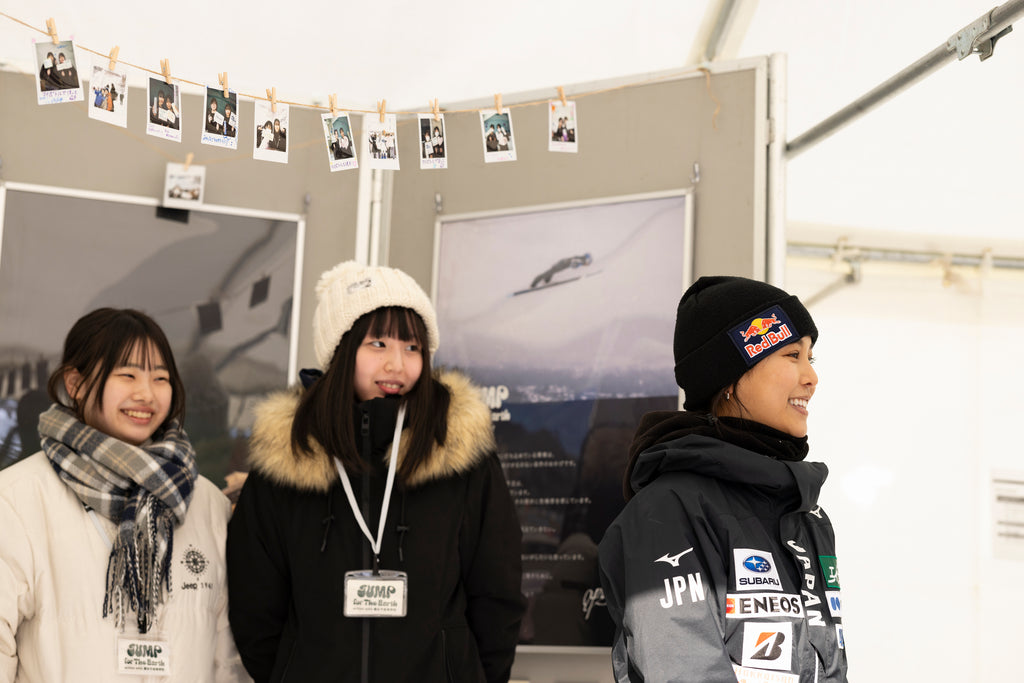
(327, 523)
(402, 529)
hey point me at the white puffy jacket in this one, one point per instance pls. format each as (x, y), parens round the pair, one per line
(53, 563)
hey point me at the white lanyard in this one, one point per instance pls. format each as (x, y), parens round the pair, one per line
(387, 489)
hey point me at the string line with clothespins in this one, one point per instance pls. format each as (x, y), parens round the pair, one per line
(498, 103)
(499, 106)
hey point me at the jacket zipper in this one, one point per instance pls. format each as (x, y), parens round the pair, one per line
(365, 432)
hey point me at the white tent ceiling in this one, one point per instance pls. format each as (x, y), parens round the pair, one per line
(943, 157)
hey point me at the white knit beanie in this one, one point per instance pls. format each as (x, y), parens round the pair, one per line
(350, 290)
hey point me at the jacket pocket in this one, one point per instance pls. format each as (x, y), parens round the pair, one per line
(461, 658)
(285, 654)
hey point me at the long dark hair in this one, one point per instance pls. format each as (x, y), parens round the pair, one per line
(326, 410)
(103, 340)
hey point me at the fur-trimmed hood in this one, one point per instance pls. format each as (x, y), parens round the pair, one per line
(470, 438)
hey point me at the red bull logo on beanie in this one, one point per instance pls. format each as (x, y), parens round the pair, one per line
(758, 336)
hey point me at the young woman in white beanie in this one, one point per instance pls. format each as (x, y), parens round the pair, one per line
(375, 538)
(722, 566)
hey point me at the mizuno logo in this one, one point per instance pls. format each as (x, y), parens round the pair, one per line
(673, 559)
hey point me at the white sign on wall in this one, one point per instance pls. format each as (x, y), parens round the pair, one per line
(1008, 515)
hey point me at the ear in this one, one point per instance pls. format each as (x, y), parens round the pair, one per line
(73, 383)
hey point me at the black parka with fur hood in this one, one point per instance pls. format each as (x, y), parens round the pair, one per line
(452, 529)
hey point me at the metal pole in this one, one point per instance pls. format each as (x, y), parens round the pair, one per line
(776, 252)
(979, 36)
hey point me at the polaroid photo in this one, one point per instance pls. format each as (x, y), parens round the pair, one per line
(341, 144)
(183, 189)
(497, 134)
(220, 122)
(432, 144)
(562, 124)
(58, 73)
(381, 141)
(164, 105)
(108, 100)
(270, 134)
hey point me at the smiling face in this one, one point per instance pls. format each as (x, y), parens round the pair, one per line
(136, 399)
(776, 391)
(386, 366)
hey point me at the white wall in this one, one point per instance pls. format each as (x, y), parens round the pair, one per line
(918, 403)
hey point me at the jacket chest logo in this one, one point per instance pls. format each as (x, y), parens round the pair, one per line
(755, 570)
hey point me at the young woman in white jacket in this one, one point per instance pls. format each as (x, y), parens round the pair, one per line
(112, 545)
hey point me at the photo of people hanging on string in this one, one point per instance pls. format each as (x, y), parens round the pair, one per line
(271, 132)
(58, 73)
(108, 100)
(341, 151)
(164, 110)
(497, 133)
(220, 123)
(433, 149)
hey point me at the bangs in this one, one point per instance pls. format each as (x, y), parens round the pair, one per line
(398, 322)
(142, 350)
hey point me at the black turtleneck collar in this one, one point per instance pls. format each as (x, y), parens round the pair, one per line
(662, 426)
(382, 413)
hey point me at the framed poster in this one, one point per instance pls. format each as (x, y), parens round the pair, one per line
(224, 286)
(564, 315)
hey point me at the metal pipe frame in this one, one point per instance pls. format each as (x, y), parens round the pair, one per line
(977, 37)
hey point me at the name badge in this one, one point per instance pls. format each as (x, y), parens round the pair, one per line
(141, 655)
(375, 595)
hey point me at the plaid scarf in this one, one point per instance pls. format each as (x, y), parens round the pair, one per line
(145, 490)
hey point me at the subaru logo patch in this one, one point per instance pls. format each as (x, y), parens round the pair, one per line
(756, 563)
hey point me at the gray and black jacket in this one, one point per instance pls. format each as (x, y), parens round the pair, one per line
(722, 559)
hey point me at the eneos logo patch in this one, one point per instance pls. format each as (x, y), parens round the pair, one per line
(761, 605)
(756, 337)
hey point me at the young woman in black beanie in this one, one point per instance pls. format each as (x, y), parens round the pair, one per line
(722, 566)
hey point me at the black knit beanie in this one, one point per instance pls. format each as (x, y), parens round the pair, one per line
(725, 326)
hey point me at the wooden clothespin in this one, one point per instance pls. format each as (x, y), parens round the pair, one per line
(188, 160)
(113, 57)
(165, 66)
(333, 99)
(272, 96)
(497, 103)
(223, 78)
(435, 110)
(382, 109)
(561, 95)
(51, 28)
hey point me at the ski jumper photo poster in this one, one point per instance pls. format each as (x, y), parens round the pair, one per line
(563, 315)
